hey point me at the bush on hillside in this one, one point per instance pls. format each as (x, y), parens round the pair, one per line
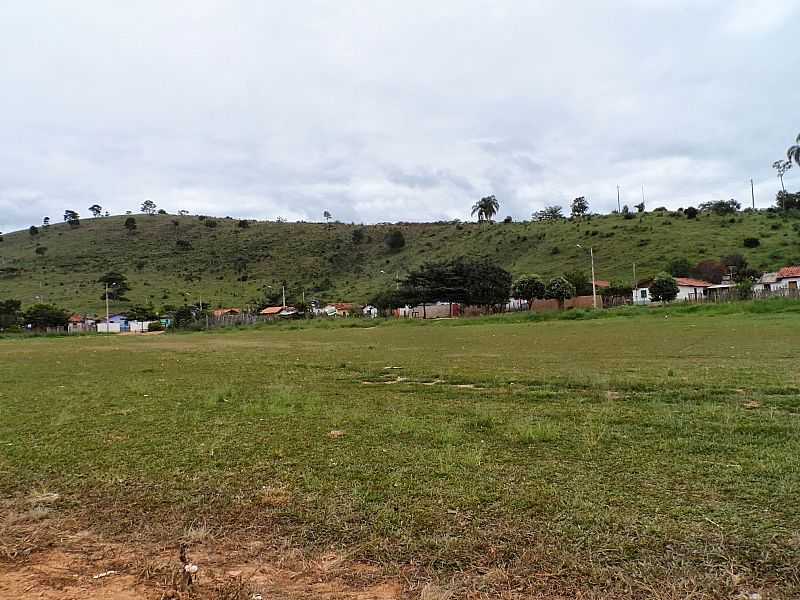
(691, 212)
(751, 242)
(394, 240)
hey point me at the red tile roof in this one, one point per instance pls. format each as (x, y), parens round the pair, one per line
(789, 272)
(76, 319)
(272, 310)
(226, 311)
(602, 283)
(689, 282)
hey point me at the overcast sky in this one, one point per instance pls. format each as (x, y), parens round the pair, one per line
(386, 110)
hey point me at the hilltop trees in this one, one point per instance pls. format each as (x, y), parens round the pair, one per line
(691, 212)
(33, 230)
(46, 222)
(485, 208)
(528, 288)
(72, 218)
(720, 207)
(149, 207)
(548, 213)
(130, 224)
(580, 206)
(96, 210)
(787, 201)
(117, 285)
(327, 216)
(664, 288)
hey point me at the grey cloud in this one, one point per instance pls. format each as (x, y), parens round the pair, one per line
(390, 111)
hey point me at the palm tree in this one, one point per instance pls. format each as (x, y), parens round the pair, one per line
(793, 153)
(486, 208)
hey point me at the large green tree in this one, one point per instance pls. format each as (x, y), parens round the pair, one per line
(529, 288)
(580, 206)
(559, 288)
(664, 288)
(486, 208)
(461, 280)
(10, 313)
(41, 316)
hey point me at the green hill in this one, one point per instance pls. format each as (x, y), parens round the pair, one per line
(169, 258)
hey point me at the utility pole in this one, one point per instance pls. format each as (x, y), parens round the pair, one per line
(634, 276)
(283, 288)
(619, 206)
(642, 193)
(594, 284)
(107, 328)
(753, 193)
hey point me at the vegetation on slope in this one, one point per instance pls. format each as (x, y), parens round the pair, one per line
(171, 259)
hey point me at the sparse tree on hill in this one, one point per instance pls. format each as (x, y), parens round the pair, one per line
(130, 224)
(528, 288)
(781, 166)
(580, 206)
(559, 288)
(639, 207)
(548, 213)
(10, 313)
(485, 208)
(46, 222)
(691, 212)
(793, 153)
(96, 210)
(117, 285)
(183, 212)
(149, 207)
(664, 288)
(33, 230)
(787, 201)
(327, 216)
(72, 218)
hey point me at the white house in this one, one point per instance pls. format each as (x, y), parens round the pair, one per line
(688, 289)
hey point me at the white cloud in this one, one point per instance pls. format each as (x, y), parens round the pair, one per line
(386, 110)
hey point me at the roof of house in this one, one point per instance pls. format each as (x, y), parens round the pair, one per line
(690, 282)
(602, 283)
(789, 272)
(272, 310)
(768, 278)
(342, 305)
(76, 318)
(226, 311)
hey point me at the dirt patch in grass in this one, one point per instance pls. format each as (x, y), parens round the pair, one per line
(84, 565)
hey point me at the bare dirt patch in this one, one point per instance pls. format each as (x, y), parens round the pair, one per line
(83, 565)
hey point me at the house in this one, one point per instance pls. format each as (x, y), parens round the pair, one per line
(271, 312)
(767, 282)
(601, 284)
(79, 323)
(789, 278)
(224, 312)
(689, 289)
(339, 309)
(114, 324)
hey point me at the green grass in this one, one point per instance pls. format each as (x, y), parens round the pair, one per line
(630, 456)
(326, 263)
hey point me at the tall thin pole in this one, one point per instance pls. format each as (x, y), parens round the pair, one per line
(634, 275)
(642, 193)
(594, 284)
(107, 328)
(619, 206)
(753, 192)
(283, 288)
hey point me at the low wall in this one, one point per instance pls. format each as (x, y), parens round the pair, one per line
(576, 302)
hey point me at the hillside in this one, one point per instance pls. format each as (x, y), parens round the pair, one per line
(326, 262)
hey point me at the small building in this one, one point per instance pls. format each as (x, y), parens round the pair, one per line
(691, 289)
(789, 277)
(224, 312)
(80, 323)
(767, 282)
(339, 309)
(271, 312)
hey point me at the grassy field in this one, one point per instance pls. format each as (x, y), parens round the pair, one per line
(327, 264)
(654, 456)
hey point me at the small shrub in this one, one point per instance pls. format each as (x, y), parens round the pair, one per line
(751, 242)
(555, 250)
(155, 326)
(210, 223)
